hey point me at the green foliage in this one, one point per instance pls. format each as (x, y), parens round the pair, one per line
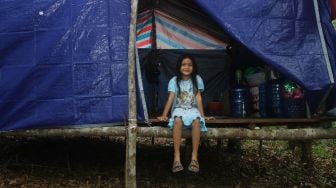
(321, 150)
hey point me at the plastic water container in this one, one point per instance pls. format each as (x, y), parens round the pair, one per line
(275, 99)
(240, 103)
(263, 100)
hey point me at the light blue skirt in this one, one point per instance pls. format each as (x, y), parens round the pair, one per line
(188, 116)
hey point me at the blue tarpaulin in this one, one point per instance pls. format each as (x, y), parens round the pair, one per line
(64, 62)
(283, 33)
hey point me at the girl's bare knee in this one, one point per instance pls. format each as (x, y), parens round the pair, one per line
(178, 122)
(196, 123)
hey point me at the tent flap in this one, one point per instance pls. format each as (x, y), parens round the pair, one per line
(283, 33)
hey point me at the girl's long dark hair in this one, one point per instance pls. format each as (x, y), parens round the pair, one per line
(193, 73)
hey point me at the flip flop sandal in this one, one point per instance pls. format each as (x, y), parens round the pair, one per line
(177, 167)
(194, 166)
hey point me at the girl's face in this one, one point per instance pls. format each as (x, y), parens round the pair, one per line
(186, 67)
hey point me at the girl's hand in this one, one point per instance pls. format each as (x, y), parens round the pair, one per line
(209, 118)
(162, 118)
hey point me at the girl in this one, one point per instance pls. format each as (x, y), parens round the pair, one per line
(187, 109)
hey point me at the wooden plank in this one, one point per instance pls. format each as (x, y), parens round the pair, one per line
(260, 121)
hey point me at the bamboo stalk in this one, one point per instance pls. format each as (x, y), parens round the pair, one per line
(225, 133)
(243, 133)
(130, 166)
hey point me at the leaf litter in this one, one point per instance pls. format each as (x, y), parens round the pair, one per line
(100, 161)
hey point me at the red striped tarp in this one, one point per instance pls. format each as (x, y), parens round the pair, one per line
(144, 30)
(172, 33)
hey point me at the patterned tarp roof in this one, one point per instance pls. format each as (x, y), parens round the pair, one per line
(172, 33)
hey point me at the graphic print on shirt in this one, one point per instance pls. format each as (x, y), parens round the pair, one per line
(186, 97)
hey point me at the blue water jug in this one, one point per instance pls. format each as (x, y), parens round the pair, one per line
(240, 103)
(263, 100)
(275, 99)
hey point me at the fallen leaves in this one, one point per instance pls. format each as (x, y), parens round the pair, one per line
(100, 163)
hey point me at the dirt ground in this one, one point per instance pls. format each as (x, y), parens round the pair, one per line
(99, 162)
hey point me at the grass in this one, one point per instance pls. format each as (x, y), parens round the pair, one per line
(321, 151)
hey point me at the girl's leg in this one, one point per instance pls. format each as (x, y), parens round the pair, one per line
(177, 134)
(196, 135)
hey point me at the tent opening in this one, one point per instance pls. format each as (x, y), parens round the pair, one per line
(168, 29)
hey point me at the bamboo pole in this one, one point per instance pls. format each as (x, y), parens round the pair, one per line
(130, 166)
(225, 133)
(244, 133)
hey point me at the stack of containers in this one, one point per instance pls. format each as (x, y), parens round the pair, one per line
(281, 98)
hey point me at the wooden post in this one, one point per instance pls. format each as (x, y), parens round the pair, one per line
(130, 166)
(307, 153)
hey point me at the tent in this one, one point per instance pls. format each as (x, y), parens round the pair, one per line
(64, 63)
